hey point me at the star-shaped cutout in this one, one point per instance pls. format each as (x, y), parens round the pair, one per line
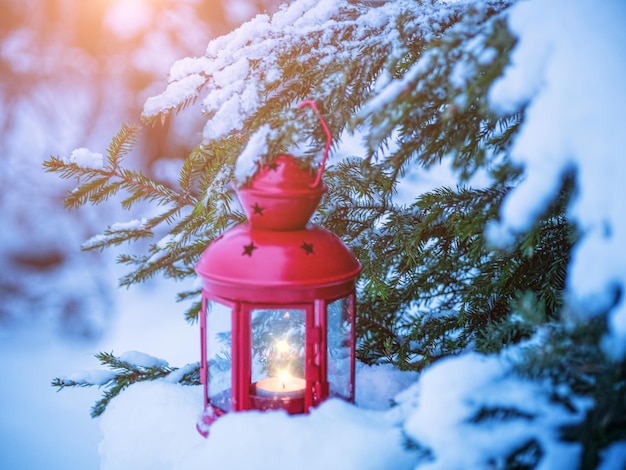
(272, 166)
(248, 249)
(258, 210)
(308, 247)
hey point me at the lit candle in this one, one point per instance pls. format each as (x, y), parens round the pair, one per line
(282, 386)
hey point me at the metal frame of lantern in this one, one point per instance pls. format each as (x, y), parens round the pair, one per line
(278, 275)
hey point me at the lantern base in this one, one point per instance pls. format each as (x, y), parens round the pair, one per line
(209, 416)
(291, 404)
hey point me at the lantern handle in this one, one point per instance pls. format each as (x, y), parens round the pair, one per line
(329, 137)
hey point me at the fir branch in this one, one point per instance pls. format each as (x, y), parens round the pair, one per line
(122, 143)
(123, 374)
(142, 188)
(185, 295)
(193, 311)
(117, 234)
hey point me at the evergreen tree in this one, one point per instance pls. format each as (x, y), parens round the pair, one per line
(431, 285)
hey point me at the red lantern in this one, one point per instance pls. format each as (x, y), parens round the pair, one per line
(278, 301)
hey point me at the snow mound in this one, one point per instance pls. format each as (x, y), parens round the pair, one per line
(152, 425)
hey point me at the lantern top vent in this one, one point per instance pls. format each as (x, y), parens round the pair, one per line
(281, 195)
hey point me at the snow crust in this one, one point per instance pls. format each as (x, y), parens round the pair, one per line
(439, 412)
(232, 80)
(569, 70)
(235, 88)
(444, 407)
(143, 360)
(85, 158)
(248, 161)
(614, 456)
(161, 416)
(135, 224)
(97, 377)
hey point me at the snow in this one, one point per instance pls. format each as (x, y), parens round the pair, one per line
(135, 224)
(442, 410)
(179, 91)
(443, 406)
(44, 428)
(165, 414)
(84, 158)
(98, 239)
(248, 161)
(148, 426)
(97, 377)
(233, 80)
(560, 60)
(614, 456)
(446, 410)
(41, 428)
(370, 439)
(143, 360)
(377, 386)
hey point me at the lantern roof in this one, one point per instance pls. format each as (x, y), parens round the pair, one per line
(256, 265)
(277, 257)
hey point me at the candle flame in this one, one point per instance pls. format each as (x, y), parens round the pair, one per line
(284, 376)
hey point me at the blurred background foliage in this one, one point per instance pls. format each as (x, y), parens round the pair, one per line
(70, 73)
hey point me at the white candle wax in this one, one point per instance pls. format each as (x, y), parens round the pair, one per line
(283, 387)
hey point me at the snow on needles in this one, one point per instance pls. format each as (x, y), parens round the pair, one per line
(113, 231)
(240, 69)
(248, 162)
(234, 85)
(85, 158)
(466, 400)
(143, 360)
(569, 68)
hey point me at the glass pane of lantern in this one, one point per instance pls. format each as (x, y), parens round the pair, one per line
(219, 340)
(339, 338)
(278, 359)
